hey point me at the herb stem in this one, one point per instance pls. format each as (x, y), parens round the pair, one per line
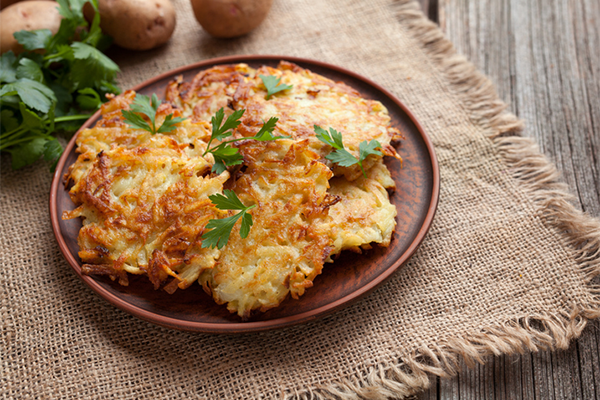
(14, 132)
(208, 149)
(25, 139)
(71, 117)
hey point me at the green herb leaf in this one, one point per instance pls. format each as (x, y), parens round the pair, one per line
(34, 94)
(220, 229)
(220, 132)
(272, 84)
(88, 99)
(52, 152)
(340, 155)
(366, 149)
(136, 121)
(73, 9)
(62, 38)
(169, 123)
(8, 120)
(229, 201)
(332, 138)
(266, 132)
(246, 225)
(8, 70)
(30, 69)
(95, 33)
(31, 121)
(33, 40)
(219, 232)
(144, 105)
(27, 153)
(225, 156)
(90, 66)
(63, 98)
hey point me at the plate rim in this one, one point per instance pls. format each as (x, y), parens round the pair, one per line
(256, 326)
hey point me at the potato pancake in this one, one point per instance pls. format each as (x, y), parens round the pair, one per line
(146, 196)
(144, 201)
(289, 241)
(312, 100)
(364, 215)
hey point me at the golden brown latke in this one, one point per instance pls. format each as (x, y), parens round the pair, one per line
(144, 199)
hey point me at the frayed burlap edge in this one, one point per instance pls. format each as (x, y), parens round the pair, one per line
(535, 174)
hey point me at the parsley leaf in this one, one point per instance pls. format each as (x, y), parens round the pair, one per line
(136, 121)
(169, 123)
(333, 138)
(90, 66)
(272, 84)
(8, 120)
(52, 152)
(34, 94)
(220, 229)
(30, 69)
(220, 132)
(229, 201)
(340, 155)
(8, 71)
(148, 107)
(225, 155)
(27, 153)
(266, 132)
(367, 148)
(33, 40)
(88, 99)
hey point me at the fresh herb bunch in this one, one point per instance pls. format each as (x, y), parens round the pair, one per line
(220, 229)
(340, 155)
(54, 85)
(272, 84)
(225, 155)
(144, 105)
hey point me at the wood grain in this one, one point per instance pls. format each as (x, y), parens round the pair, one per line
(544, 57)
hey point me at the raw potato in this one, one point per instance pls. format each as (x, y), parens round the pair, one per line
(230, 18)
(136, 24)
(26, 15)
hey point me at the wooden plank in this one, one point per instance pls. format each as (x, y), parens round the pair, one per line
(432, 393)
(449, 389)
(544, 57)
(588, 362)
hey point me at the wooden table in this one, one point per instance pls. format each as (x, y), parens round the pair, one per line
(544, 58)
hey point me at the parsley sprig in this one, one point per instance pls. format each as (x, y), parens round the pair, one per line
(340, 155)
(224, 154)
(220, 229)
(42, 94)
(148, 107)
(272, 84)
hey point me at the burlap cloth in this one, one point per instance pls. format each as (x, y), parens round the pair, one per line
(507, 265)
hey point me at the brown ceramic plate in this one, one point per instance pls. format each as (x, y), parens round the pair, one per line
(346, 280)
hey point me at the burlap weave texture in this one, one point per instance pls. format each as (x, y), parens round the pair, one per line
(507, 265)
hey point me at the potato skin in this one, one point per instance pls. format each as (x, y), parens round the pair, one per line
(27, 15)
(230, 18)
(136, 24)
